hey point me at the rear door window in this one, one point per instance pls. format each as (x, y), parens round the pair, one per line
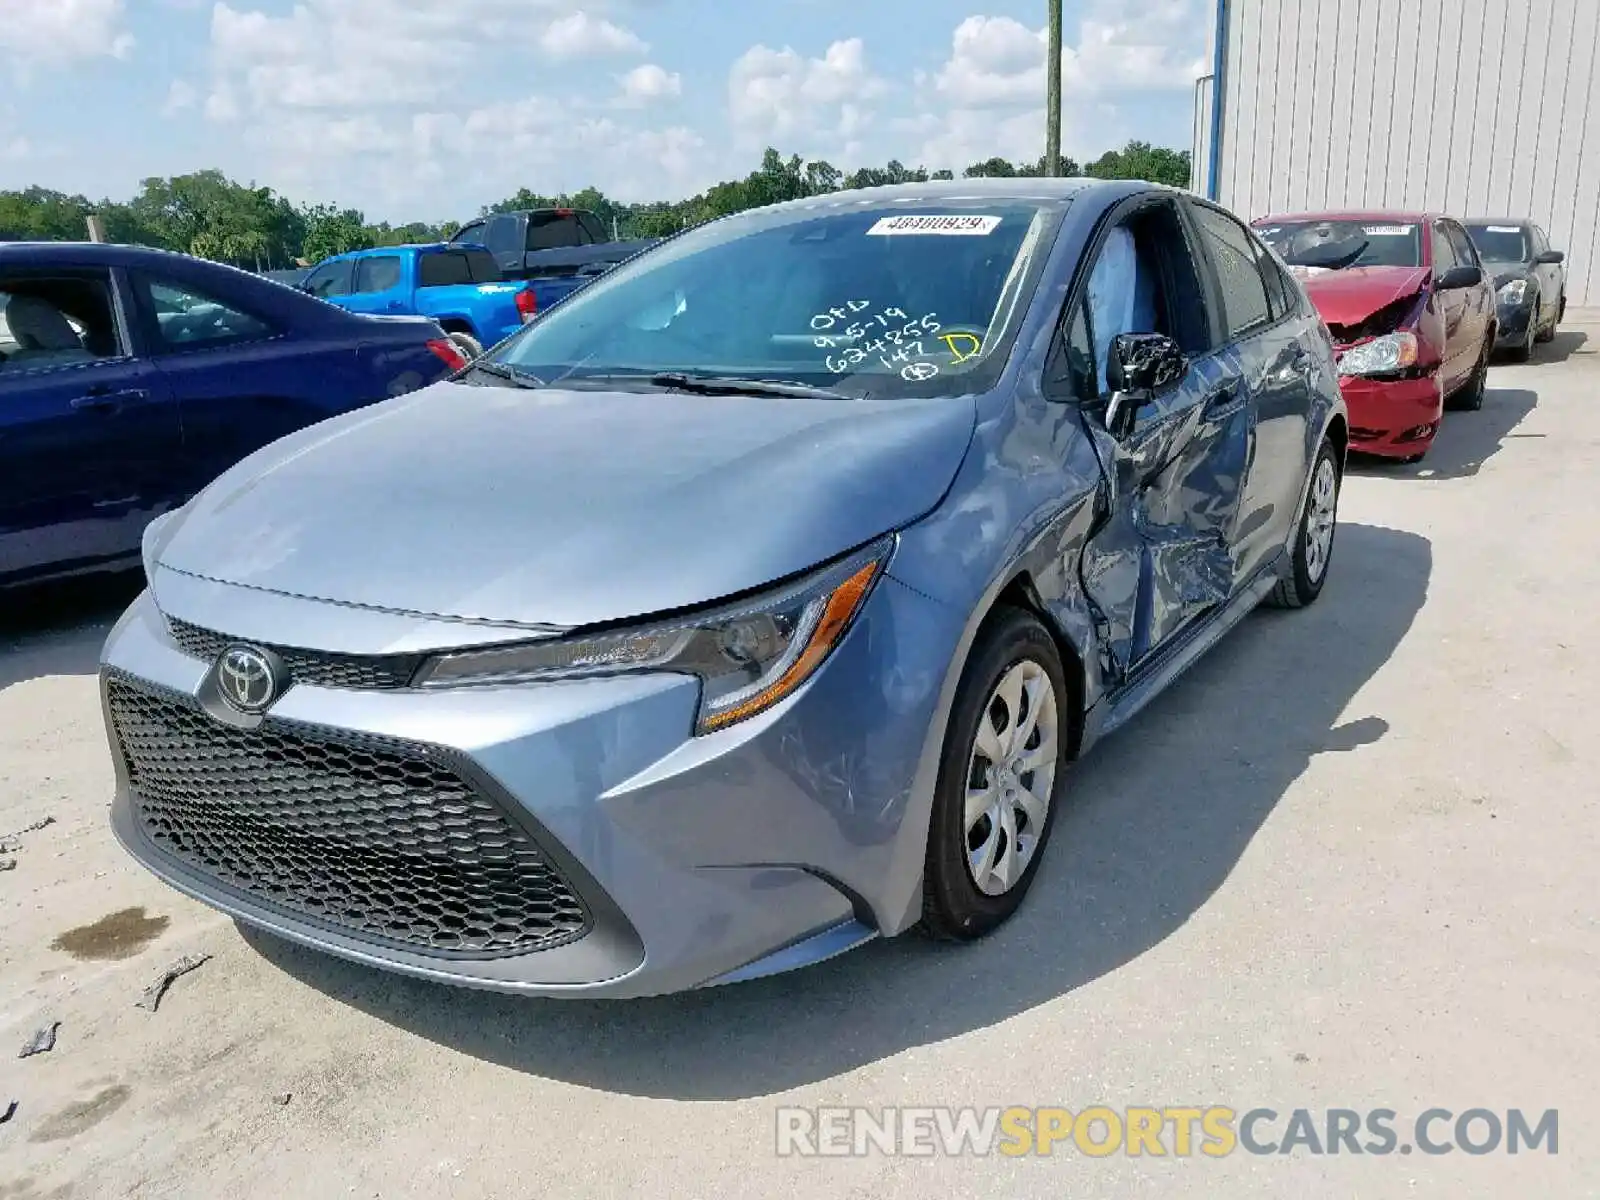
(331, 279)
(446, 268)
(378, 273)
(1236, 258)
(501, 235)
(482, 267)
(554, 230)
(186, 318)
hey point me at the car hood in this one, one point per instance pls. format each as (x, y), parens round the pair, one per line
(1350, 296)
(1502, 273)
(565, 508)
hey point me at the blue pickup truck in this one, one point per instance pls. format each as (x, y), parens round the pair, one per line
(459, 287)
(557, 250)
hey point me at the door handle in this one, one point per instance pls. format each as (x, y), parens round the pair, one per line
(1224, 401)
(104, 400)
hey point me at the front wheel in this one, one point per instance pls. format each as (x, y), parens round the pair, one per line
(993, 807)
(1470, 397)
(1313, 544)
(1548, 333)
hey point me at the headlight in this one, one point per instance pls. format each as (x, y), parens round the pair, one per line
(748, 656)
(1514, 292)
(150, 545)
(1381, 356)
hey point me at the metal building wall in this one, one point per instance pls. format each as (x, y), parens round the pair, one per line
(1471, 107)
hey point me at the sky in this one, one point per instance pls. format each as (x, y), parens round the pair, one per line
(429, 109)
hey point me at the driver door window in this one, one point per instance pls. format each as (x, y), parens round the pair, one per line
(1461, 244)
(1444, 255)
(1143, 281)
(330, 279)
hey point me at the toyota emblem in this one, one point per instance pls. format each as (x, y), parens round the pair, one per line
(246, 679)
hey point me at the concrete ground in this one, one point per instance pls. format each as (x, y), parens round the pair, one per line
(1348, 862)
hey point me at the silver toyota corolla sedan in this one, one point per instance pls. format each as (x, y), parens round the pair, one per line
(747, 605)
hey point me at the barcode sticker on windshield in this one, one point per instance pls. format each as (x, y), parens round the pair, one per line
(1504, 229)
(1387, 230)
(954, 224)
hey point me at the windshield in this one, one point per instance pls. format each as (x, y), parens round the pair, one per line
(858, 298)
(1334, 245)
(1500, 243)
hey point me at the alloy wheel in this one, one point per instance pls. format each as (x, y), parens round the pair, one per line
(1320, 519)
(1011, 775)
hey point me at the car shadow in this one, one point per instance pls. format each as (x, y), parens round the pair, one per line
(1566, 343)
(1156, 819)
(1465, 441)
(59, 628)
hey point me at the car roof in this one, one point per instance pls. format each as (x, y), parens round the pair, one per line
(107, 254)
(1353, 214)
(1519, 222)
(982, 188)
(371, 250)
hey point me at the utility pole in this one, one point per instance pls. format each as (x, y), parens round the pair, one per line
(97, 228)
(1052, 103)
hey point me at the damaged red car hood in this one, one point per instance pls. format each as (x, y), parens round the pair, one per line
(1349, 296)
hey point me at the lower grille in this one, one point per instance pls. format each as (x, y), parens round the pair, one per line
(381, 838)
(360, 672)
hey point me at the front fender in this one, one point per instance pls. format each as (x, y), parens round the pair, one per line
(1022, 506)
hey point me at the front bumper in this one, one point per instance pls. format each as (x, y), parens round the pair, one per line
(657, 860)
(1393, 418)
(1514, 323)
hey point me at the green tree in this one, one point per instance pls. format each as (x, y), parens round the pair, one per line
(330, 230)
(1141, 160)
(208, 214)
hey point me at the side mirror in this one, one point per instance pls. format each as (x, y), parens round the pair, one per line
(1457, 278)
(1550, 258)
(1142, 365)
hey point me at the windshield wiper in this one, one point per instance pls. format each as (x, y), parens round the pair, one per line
(500, 371)
(735, 385)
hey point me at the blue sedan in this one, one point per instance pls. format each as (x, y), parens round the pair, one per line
(747, 605)
(130, 378)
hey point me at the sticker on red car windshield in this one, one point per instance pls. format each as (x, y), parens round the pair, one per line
(953, 224)
(1388, 230)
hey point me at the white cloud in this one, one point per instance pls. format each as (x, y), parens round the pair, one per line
(648, 84)
(987, 98)
(180, 96)
(780, 97)
(52, 32)
(578, 35)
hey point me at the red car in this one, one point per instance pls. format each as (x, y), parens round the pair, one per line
(1411, 313)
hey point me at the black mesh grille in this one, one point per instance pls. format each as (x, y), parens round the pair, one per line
(351, 671)
(383, 839)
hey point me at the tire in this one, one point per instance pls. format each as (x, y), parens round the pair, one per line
(1004, 842)
(469, 344)
(1313, 554)
(1549, 332)
(1470, 397)
(1519, 354)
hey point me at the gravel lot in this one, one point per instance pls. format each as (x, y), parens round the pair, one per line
(1347, 862)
